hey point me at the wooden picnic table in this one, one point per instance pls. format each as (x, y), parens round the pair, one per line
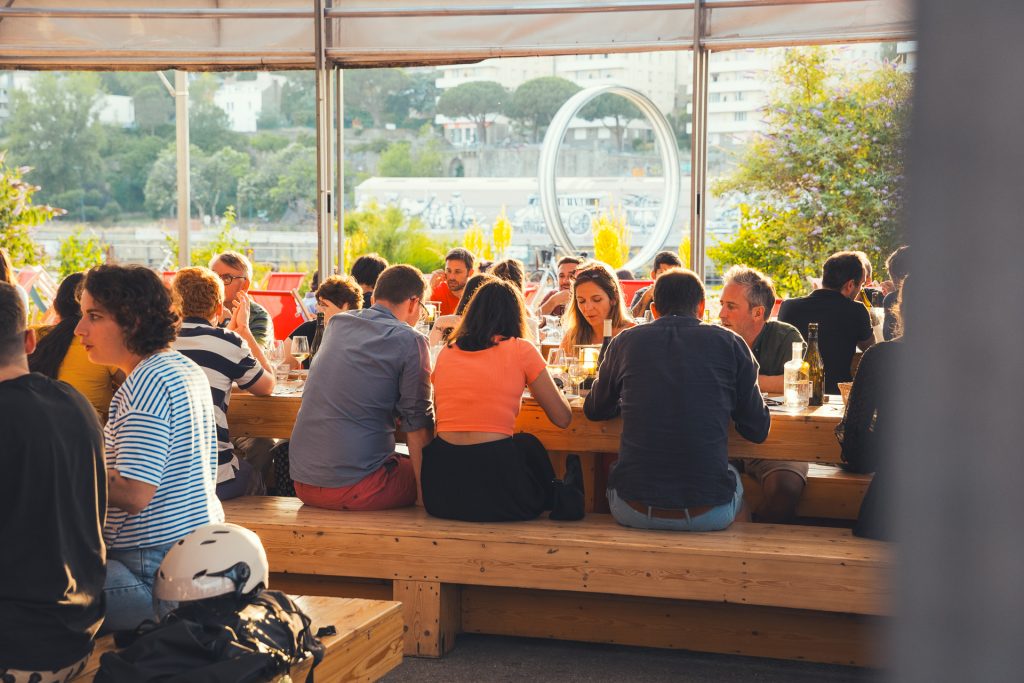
(808, 435)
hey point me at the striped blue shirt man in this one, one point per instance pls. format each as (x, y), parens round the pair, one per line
(162, 431)
(225, 358)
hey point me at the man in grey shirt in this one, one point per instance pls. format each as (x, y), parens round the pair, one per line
(372, 367)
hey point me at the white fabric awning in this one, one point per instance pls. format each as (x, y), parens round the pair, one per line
(278, 34)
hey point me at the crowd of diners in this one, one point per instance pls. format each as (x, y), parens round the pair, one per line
(115, 440)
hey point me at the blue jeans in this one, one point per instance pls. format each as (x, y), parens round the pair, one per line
(129, 586)
(715, 519)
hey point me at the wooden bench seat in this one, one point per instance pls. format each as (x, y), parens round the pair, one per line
(831, 493)
(766, 590)
(367, 645)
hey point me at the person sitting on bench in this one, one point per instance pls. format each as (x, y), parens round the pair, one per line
(160, 437)
(226, 357)
(372, 365)
(677, 383)
(747, 300)
(476, 469)
(54, 502)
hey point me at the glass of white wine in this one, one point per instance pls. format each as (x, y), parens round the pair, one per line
(300, 349)
(577, 373)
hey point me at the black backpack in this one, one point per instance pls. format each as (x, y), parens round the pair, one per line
(218, 640)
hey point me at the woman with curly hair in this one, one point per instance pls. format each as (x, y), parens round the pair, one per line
(476, 469)
(61, 355)
(596, 297)
(160, 437)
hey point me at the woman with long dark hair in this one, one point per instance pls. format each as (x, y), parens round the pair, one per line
(596, 297)
(61, 355)
(476, 469)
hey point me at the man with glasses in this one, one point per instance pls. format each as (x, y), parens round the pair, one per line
(372, 366)
(554, 301)
(235, 271)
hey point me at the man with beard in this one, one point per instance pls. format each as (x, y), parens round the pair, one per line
(458, 268)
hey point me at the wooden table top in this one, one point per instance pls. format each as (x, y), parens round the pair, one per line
(808, 435)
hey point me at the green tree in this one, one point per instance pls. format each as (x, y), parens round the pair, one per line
(53, 128)
(209, 127)
(80, 251)
(372, 90)
(421, 97)
(393, 235)
(154, 106)
(281, 182)
(298, 99)
(129, 157)
(827, 173)
(614, 112)
(18, 215)
(479, 101)
(403, 160)
(214, 181)
(536, 102)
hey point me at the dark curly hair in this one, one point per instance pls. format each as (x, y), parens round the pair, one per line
(139, 302)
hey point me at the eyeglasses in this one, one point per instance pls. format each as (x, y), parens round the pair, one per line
(228, 279)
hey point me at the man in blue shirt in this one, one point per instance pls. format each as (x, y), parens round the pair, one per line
(677, 383)
(372, 367)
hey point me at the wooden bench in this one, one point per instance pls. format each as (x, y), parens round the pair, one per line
(367, 645)
(792, 592)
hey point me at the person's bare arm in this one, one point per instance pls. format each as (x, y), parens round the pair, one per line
(867, 343)
(416, 441)
(551, 400)
(557, 299)
(771, 384)
(129, 495)
(645, 301)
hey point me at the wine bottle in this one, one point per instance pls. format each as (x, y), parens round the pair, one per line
(815, 366)
(318, 337)
(604, 342)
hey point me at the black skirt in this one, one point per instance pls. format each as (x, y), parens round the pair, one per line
(500, 481)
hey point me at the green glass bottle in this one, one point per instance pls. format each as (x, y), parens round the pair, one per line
(815, 366)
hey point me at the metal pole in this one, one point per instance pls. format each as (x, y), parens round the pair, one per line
(184, 183)
(698, 144)
(339, 170)
(323, 147)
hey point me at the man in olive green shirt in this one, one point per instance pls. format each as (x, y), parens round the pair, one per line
(747, 300)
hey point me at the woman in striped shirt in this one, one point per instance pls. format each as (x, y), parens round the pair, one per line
(160, 437)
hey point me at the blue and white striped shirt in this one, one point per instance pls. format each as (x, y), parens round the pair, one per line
(226, 359)
(161, 430)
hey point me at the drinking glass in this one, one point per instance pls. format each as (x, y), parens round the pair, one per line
(279, 361)
(577, 373)
(300, 349)
(648, 316)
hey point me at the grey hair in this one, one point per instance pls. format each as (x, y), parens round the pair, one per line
(233, 259)
(759, 289)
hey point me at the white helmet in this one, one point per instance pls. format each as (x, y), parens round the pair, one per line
(216, 559)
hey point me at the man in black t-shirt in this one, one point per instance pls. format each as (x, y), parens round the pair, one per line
(747, 300)
(54, 495)
(843, 322)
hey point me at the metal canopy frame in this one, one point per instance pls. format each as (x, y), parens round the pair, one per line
(221, 35)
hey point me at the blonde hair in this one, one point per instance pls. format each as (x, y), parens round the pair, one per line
(197, 292)
(577, 329)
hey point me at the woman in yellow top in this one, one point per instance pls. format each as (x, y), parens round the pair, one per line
(60, 353)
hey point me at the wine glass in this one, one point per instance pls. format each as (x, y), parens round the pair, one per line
(577, 373)
(300, 349)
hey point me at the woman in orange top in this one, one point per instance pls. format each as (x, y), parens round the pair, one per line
(61, 355)
(476, 469)
(596, 297)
